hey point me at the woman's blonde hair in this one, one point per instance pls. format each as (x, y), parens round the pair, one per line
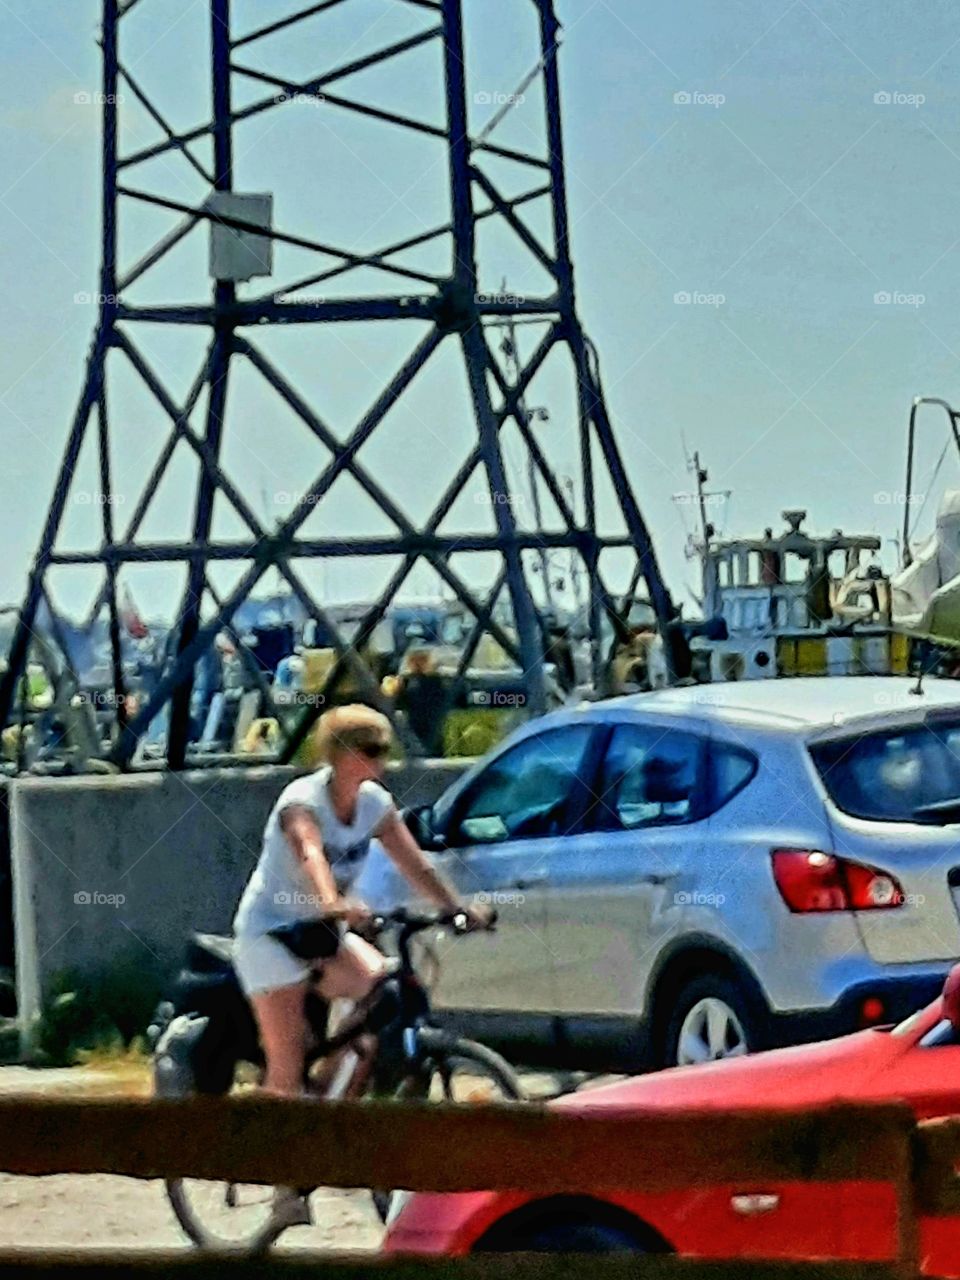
(350, 728)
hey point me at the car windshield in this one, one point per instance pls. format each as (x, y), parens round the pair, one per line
(904, 774)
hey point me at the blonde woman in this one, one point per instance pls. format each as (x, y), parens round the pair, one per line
(314, 846)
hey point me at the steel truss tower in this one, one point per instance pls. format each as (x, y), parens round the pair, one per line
(448, 305)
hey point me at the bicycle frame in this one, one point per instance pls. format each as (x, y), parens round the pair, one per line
(341, 1081)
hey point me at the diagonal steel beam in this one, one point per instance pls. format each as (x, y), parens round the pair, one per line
(335, 100)
(345, 459)
(307, 87)
(280, 237)
(401, 246)
(17, 656)
(505, 209)
(281, 23)
(164, 124)
(150, 488)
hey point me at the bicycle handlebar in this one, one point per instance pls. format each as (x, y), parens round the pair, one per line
(412, 922)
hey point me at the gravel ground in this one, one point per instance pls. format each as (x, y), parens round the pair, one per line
(97, 1210)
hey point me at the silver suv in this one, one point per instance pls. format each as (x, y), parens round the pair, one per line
(699, 872)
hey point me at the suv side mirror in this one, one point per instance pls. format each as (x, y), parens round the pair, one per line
(420, 822)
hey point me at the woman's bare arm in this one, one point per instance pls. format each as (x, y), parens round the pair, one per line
(399, 843)
(303, 835)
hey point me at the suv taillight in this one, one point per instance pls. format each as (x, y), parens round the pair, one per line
(810, 880)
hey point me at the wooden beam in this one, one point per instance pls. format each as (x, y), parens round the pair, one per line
(936, 1160)
(491, 1266)
(442, 1148)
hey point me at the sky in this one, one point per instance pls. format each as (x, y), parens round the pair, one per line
(762, 199)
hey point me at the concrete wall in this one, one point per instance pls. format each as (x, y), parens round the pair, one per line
(6, 888)
(110, 874)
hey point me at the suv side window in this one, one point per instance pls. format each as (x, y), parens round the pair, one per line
(528, 791)
(651, 777)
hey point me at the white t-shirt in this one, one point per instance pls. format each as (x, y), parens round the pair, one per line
(280, 891)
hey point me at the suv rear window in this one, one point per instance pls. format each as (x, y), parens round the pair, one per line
(904, 774)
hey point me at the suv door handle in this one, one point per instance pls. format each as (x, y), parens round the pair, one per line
(529, 882)
(654, 879)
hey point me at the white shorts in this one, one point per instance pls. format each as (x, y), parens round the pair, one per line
(264, 964)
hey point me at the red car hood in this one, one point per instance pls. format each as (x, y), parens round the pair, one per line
(807, 1075)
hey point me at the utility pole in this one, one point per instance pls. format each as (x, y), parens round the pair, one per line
(512, 357)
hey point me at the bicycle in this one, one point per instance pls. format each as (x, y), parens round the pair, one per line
(386, 1046)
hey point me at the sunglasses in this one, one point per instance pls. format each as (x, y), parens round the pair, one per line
(374, 750)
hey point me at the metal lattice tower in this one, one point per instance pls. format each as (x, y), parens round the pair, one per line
(445, 307)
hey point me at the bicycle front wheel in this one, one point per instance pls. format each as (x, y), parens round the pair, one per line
(454, 1070)
(466, 1072)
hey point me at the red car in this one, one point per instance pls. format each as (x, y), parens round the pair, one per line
(917, 1061)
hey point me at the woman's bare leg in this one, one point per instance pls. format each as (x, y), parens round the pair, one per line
(353, 972)
(283, 1034)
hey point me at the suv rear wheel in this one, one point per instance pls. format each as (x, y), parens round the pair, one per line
(712, 1018)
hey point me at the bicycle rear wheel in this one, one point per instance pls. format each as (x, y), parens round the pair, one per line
(227, 1217)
